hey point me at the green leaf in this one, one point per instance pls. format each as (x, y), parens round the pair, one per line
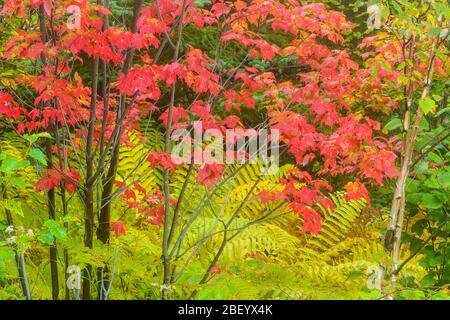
(17, 182)
(393, 124)
(10, 164)
(419, 226)
(412, 186)
(372, 295)
(435, 158)
(38, 155)
(423, 56)
(433, 32)
(432, 183)
(436, 97)
(6, 256)
(422, 167)
(201, 3)
(411, 294)
(31, 137)
(46, 238)
(428, 280)
(401, 66)
(430, 201)
(440, 55)
(440, 296)
(355, 274)
(57, 231)
(427, 105)
(424, 125)
(415, 244)
(51, 224)
(444, 179)
(34, 137)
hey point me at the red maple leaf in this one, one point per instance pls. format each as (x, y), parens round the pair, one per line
(209, 174)
(177, 113)
(160, 158)
(50, 180)
(355, 191)
(119, 228)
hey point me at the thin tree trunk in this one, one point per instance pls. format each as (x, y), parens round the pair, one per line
(51, 206)
(89, 185)
(63, 164)
(19, 259)
(65, 251)
(167, 223)
(397, 213)
(104, 225)
(103, 231)
(398, 204)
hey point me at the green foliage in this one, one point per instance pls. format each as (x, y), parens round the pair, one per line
(269, 260)
(428, 202)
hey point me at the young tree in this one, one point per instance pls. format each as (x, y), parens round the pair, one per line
(149, 70)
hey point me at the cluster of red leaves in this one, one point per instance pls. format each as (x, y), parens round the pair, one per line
(119, 228)
(208, 174)
(177, 114)
(290, 18)
(71, 97)
(385, 58)
(160, 158)
(9, 107)
(195, 71)
(148, 203)
(328, 133)
(302, 192)
(53, 178)
(140, 80)
(356, 190)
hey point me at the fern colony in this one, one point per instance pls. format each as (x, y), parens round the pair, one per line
(101, 100)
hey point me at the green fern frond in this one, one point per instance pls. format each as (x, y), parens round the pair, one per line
(337, 222)
(14, 146)
(133, 164)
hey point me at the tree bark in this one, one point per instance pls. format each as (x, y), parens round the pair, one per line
(166, 190)
(51, 206)
(89, 185)
(410, 134)
(103, 231)
(20, 264)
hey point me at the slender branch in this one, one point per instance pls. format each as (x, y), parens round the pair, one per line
(424, 243)
(18, 257)
(429, 149)
(165, 251)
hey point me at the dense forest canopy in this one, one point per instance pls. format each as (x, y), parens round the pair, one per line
(195, 149)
